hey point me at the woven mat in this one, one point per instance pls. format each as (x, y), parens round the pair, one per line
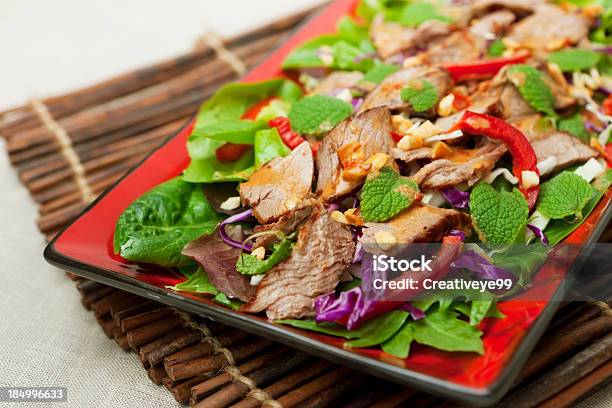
(69, 148)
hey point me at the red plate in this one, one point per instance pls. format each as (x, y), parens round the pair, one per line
(85, 248)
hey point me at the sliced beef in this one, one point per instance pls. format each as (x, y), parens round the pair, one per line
(372, 129)
(286, 224)
(493, 24)
(387, 93)
(466, 165)
(280, 185)
(521, 7)
(549, 27)
(419, 223)
(219, 261)
(324, 250)
(411, 155)
(337, 80)
(469, 44)
(565, 148)
(390, 38)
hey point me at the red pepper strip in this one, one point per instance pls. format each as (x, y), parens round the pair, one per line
(523, 156)
(253, 111)
(394, 298)
(607, 105)
(483, 68)
(289, 137)
(230, 152)
(396, 137)
(609, 154)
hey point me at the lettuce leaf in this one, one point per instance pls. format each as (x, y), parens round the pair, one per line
(156, 227)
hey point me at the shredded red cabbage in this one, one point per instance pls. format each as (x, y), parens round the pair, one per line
(230, 220)
(329, 308)
(538, 233)
(415, 312)
(357, 102)
(481, 267)
(456, 197)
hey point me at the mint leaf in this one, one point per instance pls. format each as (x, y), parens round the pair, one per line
(317, 114)
(414, 14)
(442, 329)
(497, 48)
(251, 265)
(563, 195)
(421, 95)
(385, 194)
(570, 60)
(498, 217)
(574, 125)
(379, 72)
(533, 89)
(399, 344)
(197, 283)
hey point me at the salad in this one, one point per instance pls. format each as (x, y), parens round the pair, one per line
(481, 126)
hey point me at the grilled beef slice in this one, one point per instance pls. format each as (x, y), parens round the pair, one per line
(387, 93)
(549, 26)
(419, 223)
(370, 128)
(280, 185)
(470, 165)
(390, 38)
(219, 262)
(337, 80)
(565, 148)
(324, 250)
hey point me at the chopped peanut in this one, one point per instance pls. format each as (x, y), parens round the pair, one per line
(445, 107)
(385, 239)
(350, 154)
(354, 173)
(529, 179)
(231, 203)
(410, 142)
(556, 74)
(376, 162)
(353, 216)
(339, 217)
(401, 124)
(259, 252)
(597, 146)
(592, 11)
(427, 129)
(412, 61)
(441, 150)
(556, 44)
(291, 203)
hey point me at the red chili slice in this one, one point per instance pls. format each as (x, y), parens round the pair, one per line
(231, 152)
(289, 137)
(483, 68)
(523, 156)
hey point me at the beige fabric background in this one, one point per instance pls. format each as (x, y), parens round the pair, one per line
(46, 337)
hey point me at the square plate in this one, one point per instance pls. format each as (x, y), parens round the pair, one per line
(85, 248)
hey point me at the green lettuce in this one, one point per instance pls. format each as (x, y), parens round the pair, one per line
(219, 122)
(156, 227)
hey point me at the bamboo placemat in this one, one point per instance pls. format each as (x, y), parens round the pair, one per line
(69, 148)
